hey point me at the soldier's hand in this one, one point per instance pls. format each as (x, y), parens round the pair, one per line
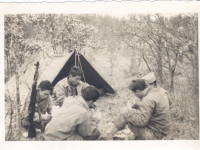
(46, 117)
(96, 114)
(129, 105)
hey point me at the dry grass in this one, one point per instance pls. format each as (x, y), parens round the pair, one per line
(185, 115)
(184, 109)
(184, 112)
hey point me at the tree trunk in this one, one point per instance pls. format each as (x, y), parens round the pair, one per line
(8, 69)
(172, 80)
(172, 73)
(195, 50)
(10, 53)
(170, 69)
(159, 62)
(18, 106)
(146, 62)
(193, 72)
(10, 120)
(197, 78)
(142, 45)
(196, 65)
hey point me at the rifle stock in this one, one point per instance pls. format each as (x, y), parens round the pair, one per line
(31, 108)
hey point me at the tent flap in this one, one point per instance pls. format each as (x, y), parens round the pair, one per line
(92, 77)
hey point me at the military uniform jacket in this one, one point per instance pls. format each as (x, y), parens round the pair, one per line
(153, 113)
(63, 90)
(72, 121)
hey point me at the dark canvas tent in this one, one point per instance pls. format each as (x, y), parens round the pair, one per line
(91, 76)
(53, 68)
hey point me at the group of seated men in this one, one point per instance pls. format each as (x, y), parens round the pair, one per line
(148, 119)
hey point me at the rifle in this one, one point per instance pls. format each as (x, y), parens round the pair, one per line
(31, 108)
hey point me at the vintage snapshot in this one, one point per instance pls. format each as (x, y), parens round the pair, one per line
(101, 76)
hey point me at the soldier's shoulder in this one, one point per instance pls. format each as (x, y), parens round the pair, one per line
(81, 82)
(61, 82)
(84, 84)
(163, 90)
(154, 93)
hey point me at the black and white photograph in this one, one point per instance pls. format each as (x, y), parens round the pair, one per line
(110, 75)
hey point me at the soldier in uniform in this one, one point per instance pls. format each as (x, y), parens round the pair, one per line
(43, 107)
(150, 120)
(150, 79)
(74, 120)
(69, 86)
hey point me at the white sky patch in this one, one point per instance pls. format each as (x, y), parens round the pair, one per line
(115, 9)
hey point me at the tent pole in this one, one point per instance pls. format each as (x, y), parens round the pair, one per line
(81, 68)
(75, 57)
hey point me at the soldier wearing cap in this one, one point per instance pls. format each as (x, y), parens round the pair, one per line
(151, 120)
(150, 79)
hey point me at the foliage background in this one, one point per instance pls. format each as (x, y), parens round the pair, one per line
(126, 48)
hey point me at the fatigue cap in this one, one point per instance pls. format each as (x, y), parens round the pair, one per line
(149, 78)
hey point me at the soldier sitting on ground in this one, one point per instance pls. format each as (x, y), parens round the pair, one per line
(74, 120)
(43, 106)
(151, 120)
(150, 79)
(69, 86)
